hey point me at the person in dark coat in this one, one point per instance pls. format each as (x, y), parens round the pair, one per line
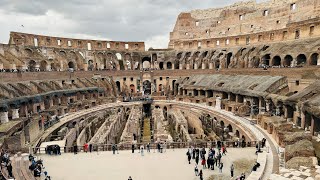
(201, 175)
(132, 148)
(197, 159)
(9, 168)
(189, 157)
(90, 147)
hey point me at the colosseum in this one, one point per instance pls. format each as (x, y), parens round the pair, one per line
(244, 77)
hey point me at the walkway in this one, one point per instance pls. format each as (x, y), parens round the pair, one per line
(171, 165)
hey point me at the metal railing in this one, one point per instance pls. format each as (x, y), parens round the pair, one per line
(153, 146)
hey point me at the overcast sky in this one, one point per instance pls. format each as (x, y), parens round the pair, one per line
(119, 20)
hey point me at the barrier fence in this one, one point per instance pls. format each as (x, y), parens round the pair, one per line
(153, 146)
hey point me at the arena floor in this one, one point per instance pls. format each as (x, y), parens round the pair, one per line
(171, 165)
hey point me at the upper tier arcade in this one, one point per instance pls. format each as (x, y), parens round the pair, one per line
(246, 23)
(25, 39)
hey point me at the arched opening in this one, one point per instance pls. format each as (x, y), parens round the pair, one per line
(230, 128)
(160, 88)
(222, 124)
(237, 134)
(287, 61)
(229, 55)
(32, 65)
(53, 67)
(176, 65)
(256, 61)
(276, 61)
(71, 65)
(217, 64)
(169, 65)
(161, 65)
(314, 59)
(301, 59)
(174, 86)
(90, 65)
(266, 60)
(118, 86)
(132, 88)
(146, 63)
(43, 65)
(120, 60)
(147, 87)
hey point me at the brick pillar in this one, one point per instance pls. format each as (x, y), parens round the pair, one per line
(4, 117)
(180, 66)
(15, 113)
(188, 66)
(211, 65)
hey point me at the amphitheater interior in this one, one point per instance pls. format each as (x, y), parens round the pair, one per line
(234, 74)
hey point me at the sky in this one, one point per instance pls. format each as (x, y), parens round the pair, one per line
(150, 21)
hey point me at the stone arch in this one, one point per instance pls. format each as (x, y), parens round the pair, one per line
(301, 59)
(132, 88)
(146, 63)
(276, 61)
(43, 65)
(90, 65)
(314, 59)
(266, 60)
(255, 61)
(160, 87)
(118, 86)
(169, 65)
(229, 56)
(161, 65)
(128, 61)
(32, 65)
(237, 134)
(221, 123)
(147, 87)
(287, 61)
(230, 128)
(29, 51)
(62, 53)
(71, 65)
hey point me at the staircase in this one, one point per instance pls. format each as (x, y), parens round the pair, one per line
(146, 134)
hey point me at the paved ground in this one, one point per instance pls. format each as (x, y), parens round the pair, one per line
(171, 165)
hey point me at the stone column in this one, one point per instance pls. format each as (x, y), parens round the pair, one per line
(15, 113)
(188, 66)
(180, 66)
(4, 117)
(211, 65)
(203, 66)
(173, 66)
(303, 120)
(218, 103)
(195, 66)
(312, 125)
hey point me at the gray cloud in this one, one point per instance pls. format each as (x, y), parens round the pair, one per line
(127, 20)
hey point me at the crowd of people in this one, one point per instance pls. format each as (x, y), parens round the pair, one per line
(37, 166)
(214, 159)
(6, 162)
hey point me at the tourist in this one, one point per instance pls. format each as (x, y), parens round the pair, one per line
(159, 147)
(220, 167)
(132, 148)
(189, 156)
(117, 149)
(129, 178)
(224, 150)
(113, 148)
(232, 170)
(197, 159)
(203, 163)
(90, 148)
(148, 147)
(75, 148)
(193, 153)
(164, 146)
(196, 171)
(85, 147)
(9, 168)
(219, 157)
(209, 162)
(201, 175)
(141, 149)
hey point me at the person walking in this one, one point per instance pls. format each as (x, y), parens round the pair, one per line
(132, 148)
(232, 170)
(196, 170)
(197, 160)
(220, 167)
(203, 162)
(9, 168)
(189, 157)
(201, 175)
(141, 150)
(148, 147)
(113, 149)
(129, 178)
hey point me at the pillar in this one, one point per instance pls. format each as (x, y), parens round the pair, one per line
(203, 66)
(303, 119)
(195, 66)
(211, 65)
(4, 117)
(180, 66)
(188, 66)
(15, 113)
(312, 125)
(218, 103)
